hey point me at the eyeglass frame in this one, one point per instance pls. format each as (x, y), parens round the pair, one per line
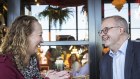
(105, 30)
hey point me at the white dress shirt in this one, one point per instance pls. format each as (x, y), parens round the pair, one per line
(119, 61)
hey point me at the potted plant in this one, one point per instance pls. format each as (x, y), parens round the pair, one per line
(56, 15)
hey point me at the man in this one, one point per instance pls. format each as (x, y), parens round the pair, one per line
(123, 59)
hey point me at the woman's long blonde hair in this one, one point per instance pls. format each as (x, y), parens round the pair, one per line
(16, 39)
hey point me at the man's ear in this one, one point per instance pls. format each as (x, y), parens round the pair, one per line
(122, 30)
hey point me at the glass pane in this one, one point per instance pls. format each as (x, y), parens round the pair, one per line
(135, 34)
(45, 35)
(70, 22)
(55, 35)
(67, 29)
(50, 54)
(135, 15)
(82, 18)
(35, 10)
(62, 34)
(110, 10)
(83, 35)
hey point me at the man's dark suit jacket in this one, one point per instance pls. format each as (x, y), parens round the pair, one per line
(132, 63)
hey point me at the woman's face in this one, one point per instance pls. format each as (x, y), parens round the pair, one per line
(35, 38)
(73, 57)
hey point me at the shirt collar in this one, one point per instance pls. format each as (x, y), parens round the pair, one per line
(122, 49)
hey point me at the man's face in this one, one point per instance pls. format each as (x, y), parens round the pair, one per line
(110, 33)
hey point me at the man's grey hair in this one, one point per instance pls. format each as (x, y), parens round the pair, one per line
(120, 21)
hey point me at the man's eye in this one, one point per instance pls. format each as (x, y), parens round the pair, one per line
(106, 29)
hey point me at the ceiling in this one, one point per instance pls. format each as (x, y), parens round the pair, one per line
(64, 3)
(68, 2)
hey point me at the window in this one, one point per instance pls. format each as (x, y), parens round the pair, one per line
(133, 18)
(74, 29)
(78, 30)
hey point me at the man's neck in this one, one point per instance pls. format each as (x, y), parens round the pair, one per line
(116, 47)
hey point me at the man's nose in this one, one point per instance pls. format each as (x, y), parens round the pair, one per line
(101, 34)
(42, 40)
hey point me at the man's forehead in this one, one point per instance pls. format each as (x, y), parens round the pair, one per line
(107, 23)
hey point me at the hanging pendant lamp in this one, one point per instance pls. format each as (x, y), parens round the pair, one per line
(118, 4)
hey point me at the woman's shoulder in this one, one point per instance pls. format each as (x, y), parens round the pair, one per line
(6, 58)
(3, 57)
(8, 68)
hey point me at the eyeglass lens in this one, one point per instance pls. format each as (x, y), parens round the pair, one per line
(105, 30)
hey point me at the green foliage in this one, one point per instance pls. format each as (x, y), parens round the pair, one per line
(57, 14)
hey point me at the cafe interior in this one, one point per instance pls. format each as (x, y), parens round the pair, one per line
(71, 27)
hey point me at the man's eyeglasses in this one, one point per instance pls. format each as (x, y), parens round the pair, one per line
(105, 30)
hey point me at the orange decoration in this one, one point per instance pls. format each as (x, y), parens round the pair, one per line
(118, 4)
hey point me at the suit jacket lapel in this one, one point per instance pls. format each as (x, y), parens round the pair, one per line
(128, 60)
(110, 68)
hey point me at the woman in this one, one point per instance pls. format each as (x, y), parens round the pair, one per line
(18, 58)
(74, 64)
